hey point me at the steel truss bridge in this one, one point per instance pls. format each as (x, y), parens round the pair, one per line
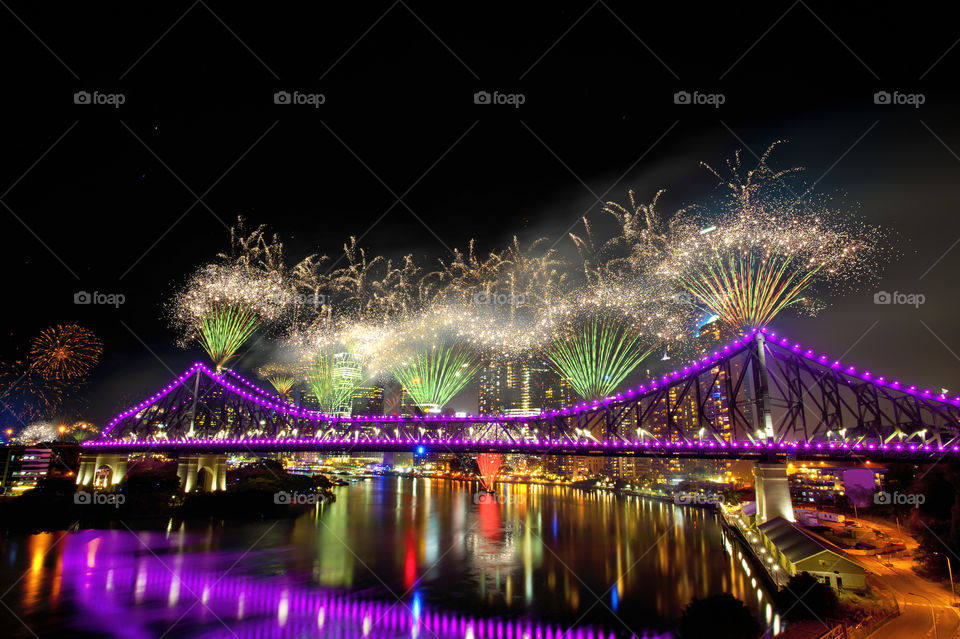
(761, 396)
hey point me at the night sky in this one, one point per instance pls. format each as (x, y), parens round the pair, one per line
(129, 200)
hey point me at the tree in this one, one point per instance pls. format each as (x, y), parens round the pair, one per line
(720, 616)
(806, 598)
(156, 480)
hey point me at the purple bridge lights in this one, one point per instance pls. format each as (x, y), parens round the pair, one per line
(761, 396)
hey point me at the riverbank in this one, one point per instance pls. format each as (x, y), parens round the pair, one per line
(63, 506)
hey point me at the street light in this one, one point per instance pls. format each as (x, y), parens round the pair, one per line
(932, 613)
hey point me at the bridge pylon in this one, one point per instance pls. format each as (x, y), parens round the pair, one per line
(772, 492)
(104, 470)
(207, 473)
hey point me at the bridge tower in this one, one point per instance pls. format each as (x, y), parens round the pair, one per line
(770, 477)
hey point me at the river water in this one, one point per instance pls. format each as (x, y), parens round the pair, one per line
(392, 557)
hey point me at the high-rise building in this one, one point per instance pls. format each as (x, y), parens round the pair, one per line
(347, 374)
(525, 386)
(368, 400)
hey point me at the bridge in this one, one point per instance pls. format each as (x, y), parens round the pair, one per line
(761, 397)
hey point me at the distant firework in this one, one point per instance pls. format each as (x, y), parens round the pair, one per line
(36, 433)
(65, 352)
(280, 377)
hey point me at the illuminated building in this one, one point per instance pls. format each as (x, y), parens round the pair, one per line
(24, 467)
(347, 374)
(710, 335)
(368, 400)
(528, 385)
(816, 483)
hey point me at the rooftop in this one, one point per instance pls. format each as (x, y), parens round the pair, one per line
(790, 540)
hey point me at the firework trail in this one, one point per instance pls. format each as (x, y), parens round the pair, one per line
(597, 354)
(27, 395)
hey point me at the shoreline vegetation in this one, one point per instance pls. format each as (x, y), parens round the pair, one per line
(150, 495)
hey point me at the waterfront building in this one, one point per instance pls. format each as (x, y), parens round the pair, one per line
(796, 552)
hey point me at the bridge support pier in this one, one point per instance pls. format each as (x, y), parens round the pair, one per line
(489, 464)
(202, 472)
(773, 492)
(102, 471)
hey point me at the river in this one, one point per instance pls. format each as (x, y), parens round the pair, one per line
(392, 557)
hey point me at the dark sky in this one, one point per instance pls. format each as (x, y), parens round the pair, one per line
(129, 200)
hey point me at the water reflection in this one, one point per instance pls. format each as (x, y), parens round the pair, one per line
(391, 558)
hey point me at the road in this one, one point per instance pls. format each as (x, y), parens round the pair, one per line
(920, 603)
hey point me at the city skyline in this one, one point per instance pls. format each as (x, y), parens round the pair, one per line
(530, 320)
(144, 167)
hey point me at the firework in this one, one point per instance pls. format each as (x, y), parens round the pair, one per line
(433, 376)
(27, 395)
(81, 431)
(65, 352)
(253, 250)
(223, 305)
(365, 316)
(767, 252)
(597, 355)
(280, 377)
(333, 377)
(37, 432)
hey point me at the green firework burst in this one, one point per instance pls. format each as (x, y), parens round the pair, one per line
(224, 329)
(596, 357)
(434, 376)
(748, 290)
